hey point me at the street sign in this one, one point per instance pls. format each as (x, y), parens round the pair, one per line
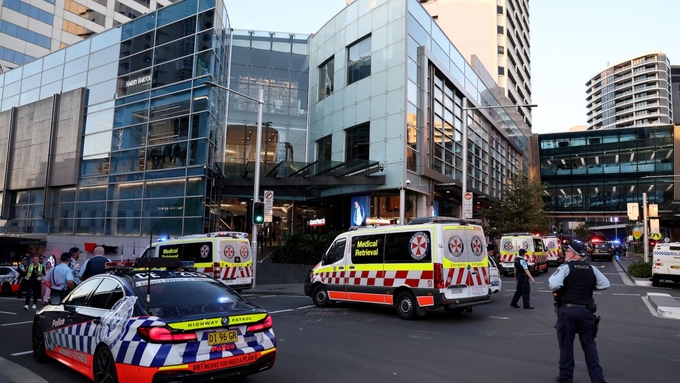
(268, 205)
(637, 232)
(467, 205)
(666, 240)
(633, 211)
(656, 236)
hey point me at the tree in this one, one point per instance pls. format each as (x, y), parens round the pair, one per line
(582, 231)
(520, 209)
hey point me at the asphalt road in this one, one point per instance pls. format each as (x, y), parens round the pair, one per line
(493, 343)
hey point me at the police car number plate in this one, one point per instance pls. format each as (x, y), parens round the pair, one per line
(505, 264)
(675, 267)
(222, 337)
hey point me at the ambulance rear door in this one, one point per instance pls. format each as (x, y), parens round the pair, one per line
(235, 260)
(465, 263)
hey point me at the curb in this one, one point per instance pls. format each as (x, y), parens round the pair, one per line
(665, 305)
(625, 270)
(12, 372)
(263, 292)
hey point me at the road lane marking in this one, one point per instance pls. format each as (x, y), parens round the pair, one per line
(22, 353)
(281, 311)
(496, 317)
(7, 312)
(16, 323)
(305, 307)
(629, 295)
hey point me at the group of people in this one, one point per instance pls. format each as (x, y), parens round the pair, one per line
(572, 283)
(41, 280)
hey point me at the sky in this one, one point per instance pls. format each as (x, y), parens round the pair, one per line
(571, 41)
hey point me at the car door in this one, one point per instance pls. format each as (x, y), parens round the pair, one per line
(331, 272)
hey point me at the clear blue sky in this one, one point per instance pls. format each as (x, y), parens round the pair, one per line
(571, 41)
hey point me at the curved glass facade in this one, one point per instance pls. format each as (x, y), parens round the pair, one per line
(598, 171)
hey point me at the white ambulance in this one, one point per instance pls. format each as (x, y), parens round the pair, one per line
(224, 255)
(431, 262)
(553, 250)
(666, 263)
(510, 245)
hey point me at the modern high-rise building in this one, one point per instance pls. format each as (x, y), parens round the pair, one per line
(497, 32)
(675, 93)
(632, 93)
(30, 29)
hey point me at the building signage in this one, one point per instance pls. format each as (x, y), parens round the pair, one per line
(137, 81)
(317, 222)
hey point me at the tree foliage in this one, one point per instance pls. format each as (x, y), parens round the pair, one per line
(303, 249)
(521, 208)
(582, 231)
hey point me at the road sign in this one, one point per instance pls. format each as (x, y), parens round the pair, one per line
(637, 232)
(467, 205)
(268, 205)
(666, 240)
(633, 211)
(656, 236)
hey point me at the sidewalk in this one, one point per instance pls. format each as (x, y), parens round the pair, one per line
(12, 372)
(664, 304)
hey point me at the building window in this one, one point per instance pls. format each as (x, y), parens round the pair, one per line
(499, 9)
(29, 10)
(326, 78)
(501, 49)
(25, 34)
(359, 60)
(500, 29)
(357, 143)
(323, 148)
(501, 70)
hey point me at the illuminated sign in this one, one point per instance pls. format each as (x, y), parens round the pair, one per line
(137, 81)
(317, 222)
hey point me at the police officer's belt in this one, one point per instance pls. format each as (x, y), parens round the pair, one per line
(573, 305)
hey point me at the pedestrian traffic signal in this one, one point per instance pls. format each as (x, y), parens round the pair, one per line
(258, 213)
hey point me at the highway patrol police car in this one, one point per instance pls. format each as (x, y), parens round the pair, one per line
(9, 280)
(155, 326)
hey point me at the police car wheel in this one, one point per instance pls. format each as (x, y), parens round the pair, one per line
(320, 296)
(6, 289)
(38, 338)
(104, 366)
(406, 305)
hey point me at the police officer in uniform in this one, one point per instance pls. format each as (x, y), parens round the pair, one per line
(73, 264)
(95, 265)
(574, 282)
(522, 277)
(60, 278)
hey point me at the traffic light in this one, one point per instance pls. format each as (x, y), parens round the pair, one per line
(258, 213)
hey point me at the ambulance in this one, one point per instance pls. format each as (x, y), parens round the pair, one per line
(533, 244)
(224, 255)
(666, 263)
(431, 262)
(553, 250)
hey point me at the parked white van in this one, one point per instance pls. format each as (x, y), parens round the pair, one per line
(666, 263)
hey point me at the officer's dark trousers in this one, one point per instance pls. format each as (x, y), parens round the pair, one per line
(572, 321)
(523, 290)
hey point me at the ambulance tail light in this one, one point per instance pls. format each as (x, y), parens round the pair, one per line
(217, 270)
(438, 276)
(266, 325)
(164, 335)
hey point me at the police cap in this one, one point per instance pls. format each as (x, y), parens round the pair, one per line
(65, 256)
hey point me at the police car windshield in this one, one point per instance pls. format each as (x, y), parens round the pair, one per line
(179, 297)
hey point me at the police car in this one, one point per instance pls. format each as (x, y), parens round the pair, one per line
(9, 280)
(155, 325)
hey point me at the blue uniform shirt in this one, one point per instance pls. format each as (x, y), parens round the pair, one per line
(84, 267)
(523, 262)
(556, 281)
(59, 276)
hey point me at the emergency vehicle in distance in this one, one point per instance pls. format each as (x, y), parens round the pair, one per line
(192, 328)
(666, 263)
(533, 244)
(9, 280)
(224, 255)
(431, 262)
(553, 250)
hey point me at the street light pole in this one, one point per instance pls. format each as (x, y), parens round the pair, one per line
(465, 109)
(258, 148)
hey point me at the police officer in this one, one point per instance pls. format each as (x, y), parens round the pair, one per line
(574, 282)
(60, 278)
(73, 264)
(522, 277)
(95, 265)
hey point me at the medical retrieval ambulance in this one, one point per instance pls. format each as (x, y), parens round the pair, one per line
(431, 262)
(666, 263)
(224, 255)
(533, 244)
(553, 250)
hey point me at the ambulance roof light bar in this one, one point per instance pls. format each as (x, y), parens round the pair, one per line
(461, 221)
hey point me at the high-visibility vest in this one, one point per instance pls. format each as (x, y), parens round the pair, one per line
(30, 270)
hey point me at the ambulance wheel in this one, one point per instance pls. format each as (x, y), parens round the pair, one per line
(38, 338)
(6, 289)
(655, 280)
(320, 296)
(104, 366)
(407, 308)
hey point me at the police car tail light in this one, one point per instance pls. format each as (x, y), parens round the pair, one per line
(438, 277)
(266, 325)
(164, 335)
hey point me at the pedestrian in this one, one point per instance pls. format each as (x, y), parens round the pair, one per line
(95, 265)
(45, 288)
(22, 269)
(60, 279)
(74, 265)
(35, 274)
(42, 260)
(522, 277)
(573, 283)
